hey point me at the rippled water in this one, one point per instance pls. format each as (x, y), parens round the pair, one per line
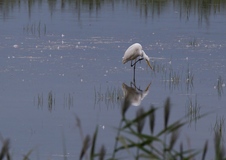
(64, 59)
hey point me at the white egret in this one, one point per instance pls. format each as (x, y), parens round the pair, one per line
(132, 53)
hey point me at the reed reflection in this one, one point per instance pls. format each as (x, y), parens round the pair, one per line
(43, 100)
(185, 9)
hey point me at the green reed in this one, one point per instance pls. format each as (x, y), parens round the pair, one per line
(192, 110)
(131, 136)
(35, 29)
(220, 86)
(159, 68)
(5, 153)
(193, 43)
(174, 78)
(156, 145)
(68, 100)
(40, 100)
(189, 78)
(219, 127)
(110, 96)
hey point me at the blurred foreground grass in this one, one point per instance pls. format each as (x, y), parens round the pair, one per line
(134, 144)
(156, 145)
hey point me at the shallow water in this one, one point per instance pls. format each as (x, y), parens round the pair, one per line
(71, 52)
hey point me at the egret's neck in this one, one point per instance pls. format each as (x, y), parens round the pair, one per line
(145, 56)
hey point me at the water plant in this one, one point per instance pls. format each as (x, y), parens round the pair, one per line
(158, 68)
(219, 86)
(68, 100)
(193, 42)
(39, 29)
(39, 100)
(157, 145)
(192, 110)
(133, 136)
(110, 97)
(174, 78)
(219, 127)
(51, 100)
(189, 79)
(4, 153)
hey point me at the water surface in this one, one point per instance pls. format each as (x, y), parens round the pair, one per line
(71, 52)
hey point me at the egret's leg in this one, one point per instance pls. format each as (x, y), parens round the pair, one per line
(134, 68)
(134, 86)
(140, 59)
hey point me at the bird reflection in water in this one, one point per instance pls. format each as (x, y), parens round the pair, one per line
(133, 95)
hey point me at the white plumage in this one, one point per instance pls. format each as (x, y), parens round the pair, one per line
(133, 52)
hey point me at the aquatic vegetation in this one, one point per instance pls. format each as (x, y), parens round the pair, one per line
(152, 144)
(110, 97)
(150, 9)
(179, 77)
(192, 110)
(189, 79)
(35, 29)
(68, 100)
(159, 68)
(5, 153)
(173, 78)
(193, 43)
(63, 70)
(219, 147)
(39, 100)
(159, 145)
(176, 79)
(220, 86)
(51, 101)
(219, 127)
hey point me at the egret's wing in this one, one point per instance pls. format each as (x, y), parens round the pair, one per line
(132, 53)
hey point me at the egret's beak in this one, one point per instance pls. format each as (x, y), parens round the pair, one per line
(147, 87)
(149, 64)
